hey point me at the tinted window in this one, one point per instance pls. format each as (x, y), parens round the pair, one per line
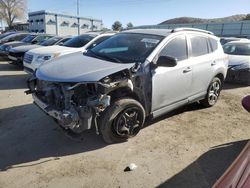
(20, 37)
(214, 44)
(29, 38)
(199, 46)
(126, 47)
(237, 49)
(6, 34)
(98, 41)
(79, 41)
(41, 38)
(64, 40)
(176, 48)
(51, 41)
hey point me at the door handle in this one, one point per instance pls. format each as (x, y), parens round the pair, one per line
(213, 63)
(188, 69)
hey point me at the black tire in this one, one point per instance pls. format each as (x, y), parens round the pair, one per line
(213, 93)
(111, 121)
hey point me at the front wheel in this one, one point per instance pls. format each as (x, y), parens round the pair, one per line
(213, 93)
(122, 120)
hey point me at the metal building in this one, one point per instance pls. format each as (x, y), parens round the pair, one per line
(61, 24)
(237, 29)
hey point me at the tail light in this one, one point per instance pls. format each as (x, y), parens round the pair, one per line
(246, 103)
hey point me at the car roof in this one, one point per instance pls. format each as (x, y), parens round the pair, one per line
(239, 42)
(160, 32)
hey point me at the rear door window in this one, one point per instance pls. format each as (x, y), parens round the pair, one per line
(199, 46)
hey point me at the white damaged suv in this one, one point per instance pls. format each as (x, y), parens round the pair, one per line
(34, 58)
(135, 74)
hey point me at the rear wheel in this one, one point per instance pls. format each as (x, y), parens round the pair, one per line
(213, 93)
(122, 120)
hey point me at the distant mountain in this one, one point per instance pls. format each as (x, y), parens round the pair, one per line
(186, 20)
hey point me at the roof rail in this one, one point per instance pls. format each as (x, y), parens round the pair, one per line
(191, 29)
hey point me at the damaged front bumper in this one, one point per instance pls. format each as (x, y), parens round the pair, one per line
(59, 102)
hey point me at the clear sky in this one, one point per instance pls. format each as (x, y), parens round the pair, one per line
(143, 12)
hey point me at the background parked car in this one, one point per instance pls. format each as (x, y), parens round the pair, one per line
(13, 37)
(6, 34)
(29, 39)
(10, 38)
(225, 40)
(239, 61)
(16, 54)
(34, 58)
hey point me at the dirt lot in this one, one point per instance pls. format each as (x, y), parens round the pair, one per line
(190, 147)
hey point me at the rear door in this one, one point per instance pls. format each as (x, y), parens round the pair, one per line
(203, 61)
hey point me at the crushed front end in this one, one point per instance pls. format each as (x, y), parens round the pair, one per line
(75, 106)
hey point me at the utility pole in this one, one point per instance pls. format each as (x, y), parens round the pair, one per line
(78, 19)
(78, 8)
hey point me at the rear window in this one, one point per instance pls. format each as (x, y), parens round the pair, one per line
(237, 49)
(51, 41)
(199, 46)
(79, 41)
(29, 38)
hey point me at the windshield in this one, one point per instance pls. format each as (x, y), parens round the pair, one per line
(29, 38)
(237, 49)
(51, 41)
(126, 47)
(79, 41)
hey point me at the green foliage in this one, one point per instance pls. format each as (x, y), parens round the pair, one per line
(247, 17)
(130, 25)
(117, 26)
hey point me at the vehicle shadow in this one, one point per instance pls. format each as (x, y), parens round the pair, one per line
(32, 135)
(28, 135)
(9, 67)
(18, 81)
(191, 107)
(208, 168)
(229, 85)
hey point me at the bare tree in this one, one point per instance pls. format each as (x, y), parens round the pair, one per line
(12, 9)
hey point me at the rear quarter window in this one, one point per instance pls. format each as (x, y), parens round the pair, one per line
(214, 44)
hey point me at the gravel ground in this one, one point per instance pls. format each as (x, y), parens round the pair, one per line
(190, 147)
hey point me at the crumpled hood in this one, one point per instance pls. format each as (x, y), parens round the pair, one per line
(235, 60)
(77, 67)
(25, 48)
(54, 49)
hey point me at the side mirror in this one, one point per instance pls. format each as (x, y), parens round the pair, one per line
(60, 43)
(34, 42)
(166, 61)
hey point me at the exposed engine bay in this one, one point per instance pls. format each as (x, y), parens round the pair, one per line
(76, 106)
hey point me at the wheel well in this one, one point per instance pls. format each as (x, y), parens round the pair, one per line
(220, 76)
(123, 92)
